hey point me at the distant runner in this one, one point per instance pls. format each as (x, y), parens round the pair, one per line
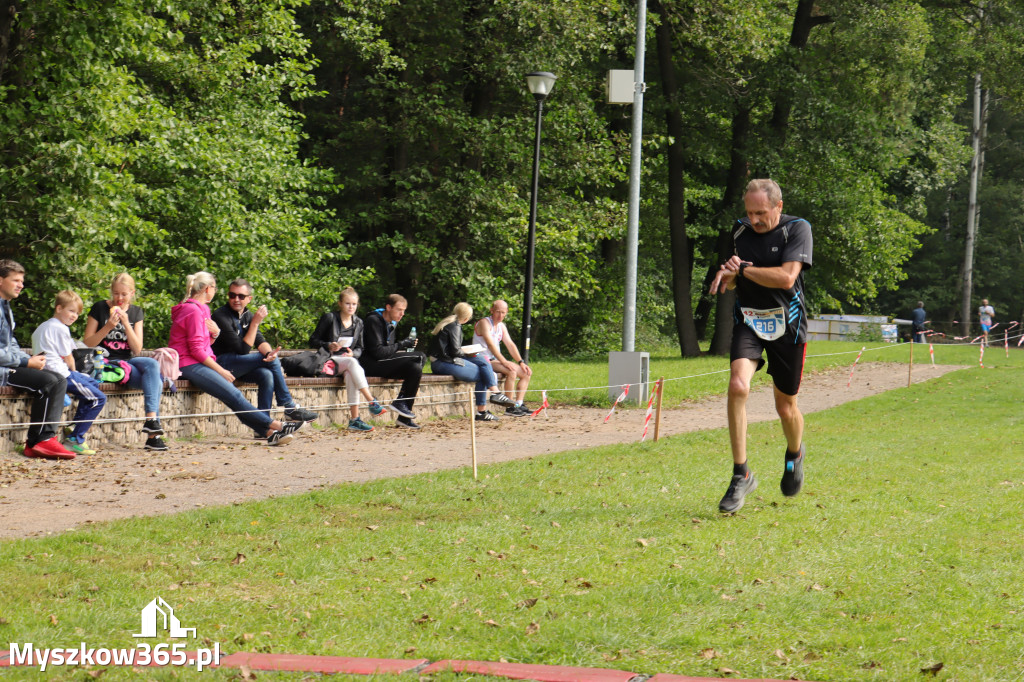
(985, 313)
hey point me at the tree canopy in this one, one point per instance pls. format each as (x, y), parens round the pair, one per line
(310, 145)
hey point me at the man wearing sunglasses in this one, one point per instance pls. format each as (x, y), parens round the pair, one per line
(239, 335)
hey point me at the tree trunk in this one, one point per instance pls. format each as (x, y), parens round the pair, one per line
(803, 22)
(972, 210)
(682, 266)
(408, 268)
(734, 185)
(9, 35)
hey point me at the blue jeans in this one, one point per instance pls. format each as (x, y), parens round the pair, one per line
(146, 375)
(207, 380)
(268, 377)
(476, 369)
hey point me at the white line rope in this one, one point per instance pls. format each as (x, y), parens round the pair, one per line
(433, 399)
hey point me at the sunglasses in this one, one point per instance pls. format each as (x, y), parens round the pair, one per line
(240, 297)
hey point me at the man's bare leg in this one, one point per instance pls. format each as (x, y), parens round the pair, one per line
(741, 372)
(524, 382)
(792, 419)
(505, 380)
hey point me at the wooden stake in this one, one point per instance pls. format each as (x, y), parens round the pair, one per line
(657, 409)
(472, 428)
(910, 368)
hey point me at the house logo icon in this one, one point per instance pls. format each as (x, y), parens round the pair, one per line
(156, 610)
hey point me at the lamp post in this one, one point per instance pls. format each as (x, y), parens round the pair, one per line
(540, 84)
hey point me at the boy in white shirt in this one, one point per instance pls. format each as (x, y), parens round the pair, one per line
(53, 338)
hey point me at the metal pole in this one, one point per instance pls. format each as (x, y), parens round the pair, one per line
(528, 293)
(633, 222)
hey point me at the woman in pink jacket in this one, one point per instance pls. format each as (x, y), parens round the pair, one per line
(192, 333)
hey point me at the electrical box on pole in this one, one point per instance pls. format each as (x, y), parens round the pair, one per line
(631, 368)
(620, 86)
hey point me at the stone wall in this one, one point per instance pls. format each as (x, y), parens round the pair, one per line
(439, 396)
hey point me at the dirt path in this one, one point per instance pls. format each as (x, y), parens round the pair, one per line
(40, 497)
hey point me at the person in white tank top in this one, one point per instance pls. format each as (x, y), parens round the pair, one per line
(490, 332)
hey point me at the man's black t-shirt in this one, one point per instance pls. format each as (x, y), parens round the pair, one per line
(233, 328)
(773, 313)
(116, 340)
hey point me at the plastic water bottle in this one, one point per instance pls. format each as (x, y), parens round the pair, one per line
(98, 362)
(412, 333)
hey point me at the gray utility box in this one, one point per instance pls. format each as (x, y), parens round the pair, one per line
(633, 368)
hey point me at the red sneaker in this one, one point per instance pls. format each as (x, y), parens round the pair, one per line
(50, 449)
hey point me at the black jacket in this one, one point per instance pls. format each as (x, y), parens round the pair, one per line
(447, 345)
(232, 330)
(329, 330)
(379, 342)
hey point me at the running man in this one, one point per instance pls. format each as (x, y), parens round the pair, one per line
(771, 252)
(985, 313)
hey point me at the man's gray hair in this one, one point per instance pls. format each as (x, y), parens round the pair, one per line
(769, 187)
(241, 282)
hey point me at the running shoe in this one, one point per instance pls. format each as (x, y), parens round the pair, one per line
(502, 400)
(793, 476)
(375, 408)
(486, 416)
(739, 487)
(298, 414)
(358, 424)
(153, 427)
(400, 407)
(406, 423)
(285, 434)
(516, 411)
(78, 446)
(49, 449)
(155, 443)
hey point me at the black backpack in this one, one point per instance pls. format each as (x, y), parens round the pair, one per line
(84, 358)
(308, 363)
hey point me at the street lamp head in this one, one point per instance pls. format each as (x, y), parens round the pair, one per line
(540, 83)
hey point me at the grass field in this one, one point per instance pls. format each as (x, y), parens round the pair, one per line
(903, 552)
(694, 378)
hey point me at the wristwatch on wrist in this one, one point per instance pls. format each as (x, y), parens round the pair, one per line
(743, 266)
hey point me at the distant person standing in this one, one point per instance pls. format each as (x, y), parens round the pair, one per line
(918, 321)
(771, 250)
(985, 313)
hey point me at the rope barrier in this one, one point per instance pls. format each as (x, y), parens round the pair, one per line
(457, 396)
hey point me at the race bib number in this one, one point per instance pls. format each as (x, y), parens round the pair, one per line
(767, 324)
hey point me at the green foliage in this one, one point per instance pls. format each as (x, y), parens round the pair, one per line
(388, 145)
(158, 138)
(432, 130)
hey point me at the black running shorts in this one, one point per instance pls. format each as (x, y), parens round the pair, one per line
(785, 358)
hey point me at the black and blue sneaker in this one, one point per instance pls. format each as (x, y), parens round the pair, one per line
(793, 476)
